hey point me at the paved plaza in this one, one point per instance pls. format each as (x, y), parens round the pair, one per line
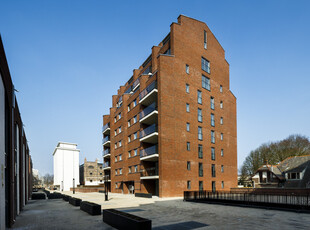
(164, 213)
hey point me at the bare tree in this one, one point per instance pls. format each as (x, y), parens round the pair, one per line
(48, 179)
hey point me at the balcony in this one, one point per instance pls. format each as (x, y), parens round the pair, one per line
(149, 154)
(106, 141)
(106, 153)
(149, 94)
(106, 166)
(149, 135)
(136, 84)
(149, 173)
(149, 115)
(106, 129)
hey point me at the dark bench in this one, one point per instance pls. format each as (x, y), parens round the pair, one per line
(38, 196)
(145, 195)
(101, 191)
(65, 197)
(55, 195)
(123, 220)
(75, 201)
(90, 208)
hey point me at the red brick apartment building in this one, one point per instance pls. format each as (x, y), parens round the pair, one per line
(172, 126)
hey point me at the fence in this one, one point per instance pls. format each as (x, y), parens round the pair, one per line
(287, 200)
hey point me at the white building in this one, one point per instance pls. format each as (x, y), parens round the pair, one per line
(66, 166)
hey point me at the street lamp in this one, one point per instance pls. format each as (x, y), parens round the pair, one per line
(106, 178)
(73, 186)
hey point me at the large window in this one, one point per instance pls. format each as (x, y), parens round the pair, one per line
(212, 102)
(212, 153)
(200, 170)
(212, 136)
(200, 151)
(199, 115)
(205, 39)
(212, 120)
(199, 97)
(205, 65)
(213, 170)
(199, 133)
(205, 81)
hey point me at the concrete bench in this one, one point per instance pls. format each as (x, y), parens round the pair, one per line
(75, 201)
(145, 195)
(55, 195)
(38, 196)
(65, 197)
(90, 208)
(123, 220)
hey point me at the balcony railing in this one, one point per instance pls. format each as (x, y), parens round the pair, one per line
(107, 125)
(106, 139)
(149, 151)
(148, 89)
(148, 130)
(149, 172)
(128, 90)
(106, 152)
(147, 110)
(106, 164)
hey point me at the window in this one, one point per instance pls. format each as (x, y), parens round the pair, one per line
(213, 186)
(212, 153)
(205, 82)
(135, 135)
(222, 168)
(129, 139)
(129, 123)
(115, 132)
(115, 145)
(115, 171)
(120, 171)
(200, 185)
(222, 152)
(187, 127)
(221, 104)
(187, 88)
(120, 157)
(205, 39)
(187, 107)
(129, 169)
(199, 133)
(120, 143)
(188, 165)
(115, 185)
(199, 115)
(212, 102)
(128, 107)
(120, 129)
(135, 119)
(212, 120)
(200, 170)
(199, 97)
(100, 180)
(114, 119)
(187, 69)
(213, 170)
(222, 184)
(129, 153)
(134, 102)
(188, 184)
(212, 136)
(136, 168)
(116, 159)
(293, 176)
(205, 65)
(90, 173)
(101, 174)
(222, 136)
(221, 88)
(200, 152)
(91, 180)
(188, 146)
(119, 116)
(221, 120)
(136, 152)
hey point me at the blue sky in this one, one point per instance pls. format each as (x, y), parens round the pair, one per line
(67, 58)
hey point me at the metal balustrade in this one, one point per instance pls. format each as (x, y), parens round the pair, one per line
(149, 151)
(147, 110)
(147, 90)
(148, 130)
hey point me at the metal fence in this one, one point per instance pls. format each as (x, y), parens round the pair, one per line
(280, 200)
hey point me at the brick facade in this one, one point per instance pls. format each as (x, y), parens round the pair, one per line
(91, 173)
(155, 123)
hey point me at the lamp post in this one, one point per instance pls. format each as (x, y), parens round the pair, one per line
(106, 178)
(73, 186)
